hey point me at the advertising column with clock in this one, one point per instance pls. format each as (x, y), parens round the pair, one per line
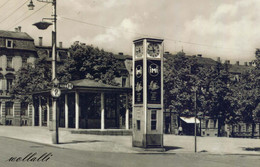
(148, 93)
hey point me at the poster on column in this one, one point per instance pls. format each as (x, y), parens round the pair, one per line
(138, 71)
(154, 81)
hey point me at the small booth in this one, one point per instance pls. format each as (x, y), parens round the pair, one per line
(88, 105)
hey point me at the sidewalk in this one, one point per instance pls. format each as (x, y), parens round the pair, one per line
(172, 143)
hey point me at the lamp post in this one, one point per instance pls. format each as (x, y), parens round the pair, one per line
(194, 89)
(44, 25)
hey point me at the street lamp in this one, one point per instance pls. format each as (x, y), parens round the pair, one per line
(44, 25)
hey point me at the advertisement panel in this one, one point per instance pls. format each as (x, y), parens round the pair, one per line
(138, 72)
(153, 81)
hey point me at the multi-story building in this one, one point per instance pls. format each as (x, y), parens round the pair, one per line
(16, 49)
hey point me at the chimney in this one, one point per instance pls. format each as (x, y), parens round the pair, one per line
(16, 29)
(237, 63)
(19, 29)
(245, 63)
(121, 53)
(227, 61)
(199, 55)
(60, 44)
(40, 41)
(218, 59)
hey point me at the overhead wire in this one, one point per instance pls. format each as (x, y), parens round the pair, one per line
(28, 16)
(14, 11)
(145, 35)
(4, 4)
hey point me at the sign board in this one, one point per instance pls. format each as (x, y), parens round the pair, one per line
(154, 82)
(138, 86)
(55, 92)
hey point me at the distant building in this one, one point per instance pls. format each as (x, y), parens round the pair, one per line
(16, 49)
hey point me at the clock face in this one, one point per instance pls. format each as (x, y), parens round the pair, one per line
(139, 50)
(153, 50)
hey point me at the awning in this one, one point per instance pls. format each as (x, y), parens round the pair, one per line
(190, 120)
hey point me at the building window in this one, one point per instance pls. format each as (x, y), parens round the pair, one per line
(138, 123)
(215, 123)
(9, 62)
(1, 83)
(9, 43)
(8, 122)
(239, 128)
(123, 82)
(153, 119)
(24, 109)
(9, 108)
(24, 61)
(24, 122)
(207, 124)
(9, 83)
(247, 127)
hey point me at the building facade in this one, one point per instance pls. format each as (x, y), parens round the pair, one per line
(16, 49)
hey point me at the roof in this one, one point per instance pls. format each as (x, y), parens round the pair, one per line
(15, 35)
(200, 59)
(93, 85)
(238, 69)
(190, 120)
(122, 57)
(87, 85)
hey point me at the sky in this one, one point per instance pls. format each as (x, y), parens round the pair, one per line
(229, 29)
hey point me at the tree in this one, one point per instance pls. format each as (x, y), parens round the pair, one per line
(84, 62)
(90, 62)
(247, 93)
(214, 95)
(31, 78)
(179, 77)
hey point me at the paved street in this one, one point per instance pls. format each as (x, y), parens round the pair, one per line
(70, 157)
(123, 144)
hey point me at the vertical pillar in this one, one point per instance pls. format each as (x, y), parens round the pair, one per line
(48, 112)
(55, 129)
(76, 110)
(33, 114)
(102, 111)
(40, 111)
(3, 113)
(126, 113)
(17, 113)
(66, 112)
(117, 111)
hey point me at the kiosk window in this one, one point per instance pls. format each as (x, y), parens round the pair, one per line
(153, 119)
(138, 122)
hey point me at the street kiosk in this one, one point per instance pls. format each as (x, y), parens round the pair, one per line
(147, 93)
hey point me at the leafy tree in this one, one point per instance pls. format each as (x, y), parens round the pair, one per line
(179, 77)
(89, 62)
(247, 94)
(84, 62)
(32, 77)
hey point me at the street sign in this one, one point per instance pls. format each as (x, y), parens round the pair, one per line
(55, 92)
(69, 86)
